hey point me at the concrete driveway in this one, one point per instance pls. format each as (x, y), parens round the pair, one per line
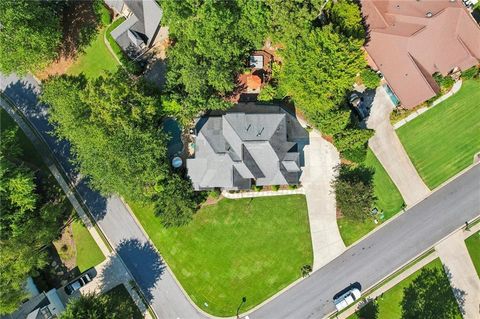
(321, 158)
(390, 152)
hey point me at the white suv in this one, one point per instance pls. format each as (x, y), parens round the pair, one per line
(347, 298)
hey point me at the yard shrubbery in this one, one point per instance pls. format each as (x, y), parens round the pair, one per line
(370, 78)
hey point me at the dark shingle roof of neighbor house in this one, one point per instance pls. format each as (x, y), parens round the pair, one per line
(247, 142)
(410, 40)
(139, 29)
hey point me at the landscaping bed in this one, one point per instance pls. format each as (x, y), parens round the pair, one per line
(442, 141)
(249, 248)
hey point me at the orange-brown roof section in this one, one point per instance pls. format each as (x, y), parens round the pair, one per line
(408, 46)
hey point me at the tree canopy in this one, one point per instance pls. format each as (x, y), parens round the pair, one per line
(429, 296)
(114, 126)
(29, 220)
(30, 33)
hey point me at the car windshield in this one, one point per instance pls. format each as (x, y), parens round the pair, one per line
(76, 285)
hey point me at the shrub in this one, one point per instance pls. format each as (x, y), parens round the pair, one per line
(294, 186)
(354, 191)
(471, 73)
(275, 187)
(445, 82)
(257, 188)
(370, 78)
(267, 93)
(214, 193)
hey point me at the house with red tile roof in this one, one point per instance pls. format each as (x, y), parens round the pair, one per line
(410, 40)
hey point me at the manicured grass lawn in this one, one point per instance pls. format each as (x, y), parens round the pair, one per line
(236, 248)
(96, 60)
(442, 141)
(88, 253)
(389, 304)
(120, 299)
(389, 201)
(473, 246)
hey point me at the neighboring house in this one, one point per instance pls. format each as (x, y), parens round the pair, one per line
(140, 29)
(410, 40)
(45, 305)
(247, 145)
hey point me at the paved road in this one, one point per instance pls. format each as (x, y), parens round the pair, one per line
(375, 257)
(384, 251)
(142, 260)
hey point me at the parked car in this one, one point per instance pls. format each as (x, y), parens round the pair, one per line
(356, 101)
(77, 283)
(344, 300)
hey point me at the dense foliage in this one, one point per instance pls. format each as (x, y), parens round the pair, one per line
(429, 296)
(114, 126)
(30, 219)
(370, 78)
(107, 306)
(354, 191)
(30, 33)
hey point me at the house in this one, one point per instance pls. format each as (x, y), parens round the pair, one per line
(247, 145)
(141, 27)
(45, 305)
(410, 40)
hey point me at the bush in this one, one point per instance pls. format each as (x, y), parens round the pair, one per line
(370, 78)
(354, 191)
(471, 73)
(267, 93)
(275, 187)
(257, 188)
(214, 193)
(445, 82)
(294, 186)
(102, 13)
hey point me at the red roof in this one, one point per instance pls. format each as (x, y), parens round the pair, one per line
(412, 39)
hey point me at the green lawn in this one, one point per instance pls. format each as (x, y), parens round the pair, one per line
(473, 246)
(442, 141)
(121, 300)
(96, 60)
(236, 248)
(389, 304)
(88, 253)
(389, 201)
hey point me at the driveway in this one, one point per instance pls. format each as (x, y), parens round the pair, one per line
(321, 158)
(126, 237)
(383, 251)
(390, 152)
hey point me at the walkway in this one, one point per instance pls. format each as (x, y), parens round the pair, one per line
(321, 158)
(461, 272)
(282, 192)
(455, 88)
(390, 152)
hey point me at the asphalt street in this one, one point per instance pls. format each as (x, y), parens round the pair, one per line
(383, 252)
(367, 262)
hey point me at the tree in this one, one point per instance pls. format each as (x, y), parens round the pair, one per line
(30, 34)
(429, 296)
(211, 41)
(111, 305)
(346, 16)
(28, 222)
(319, 68)
(370, 78)
(352, 143)
(113, 124)
(354, 191)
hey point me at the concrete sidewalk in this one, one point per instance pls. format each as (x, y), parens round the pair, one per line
(321, 158)
(390, 152)
(461, 272)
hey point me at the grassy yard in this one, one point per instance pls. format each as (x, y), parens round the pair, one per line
(389, 304)
(442, 141)
(121, 300)
(96, 60)
(88, 253)
(389, 201)
(473, 246)
(236, 248)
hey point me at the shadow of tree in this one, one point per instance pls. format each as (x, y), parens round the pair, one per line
(457, 293)
(368, 310)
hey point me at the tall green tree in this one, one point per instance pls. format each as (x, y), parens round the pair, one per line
(429, 296)
(346, 16)
(30, 34)
(29, 221)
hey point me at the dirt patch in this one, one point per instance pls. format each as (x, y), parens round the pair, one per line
(80, 26)
(211, 200)
(66, 249)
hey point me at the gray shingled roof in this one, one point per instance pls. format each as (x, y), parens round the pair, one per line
(246, 144)
(138, 30)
